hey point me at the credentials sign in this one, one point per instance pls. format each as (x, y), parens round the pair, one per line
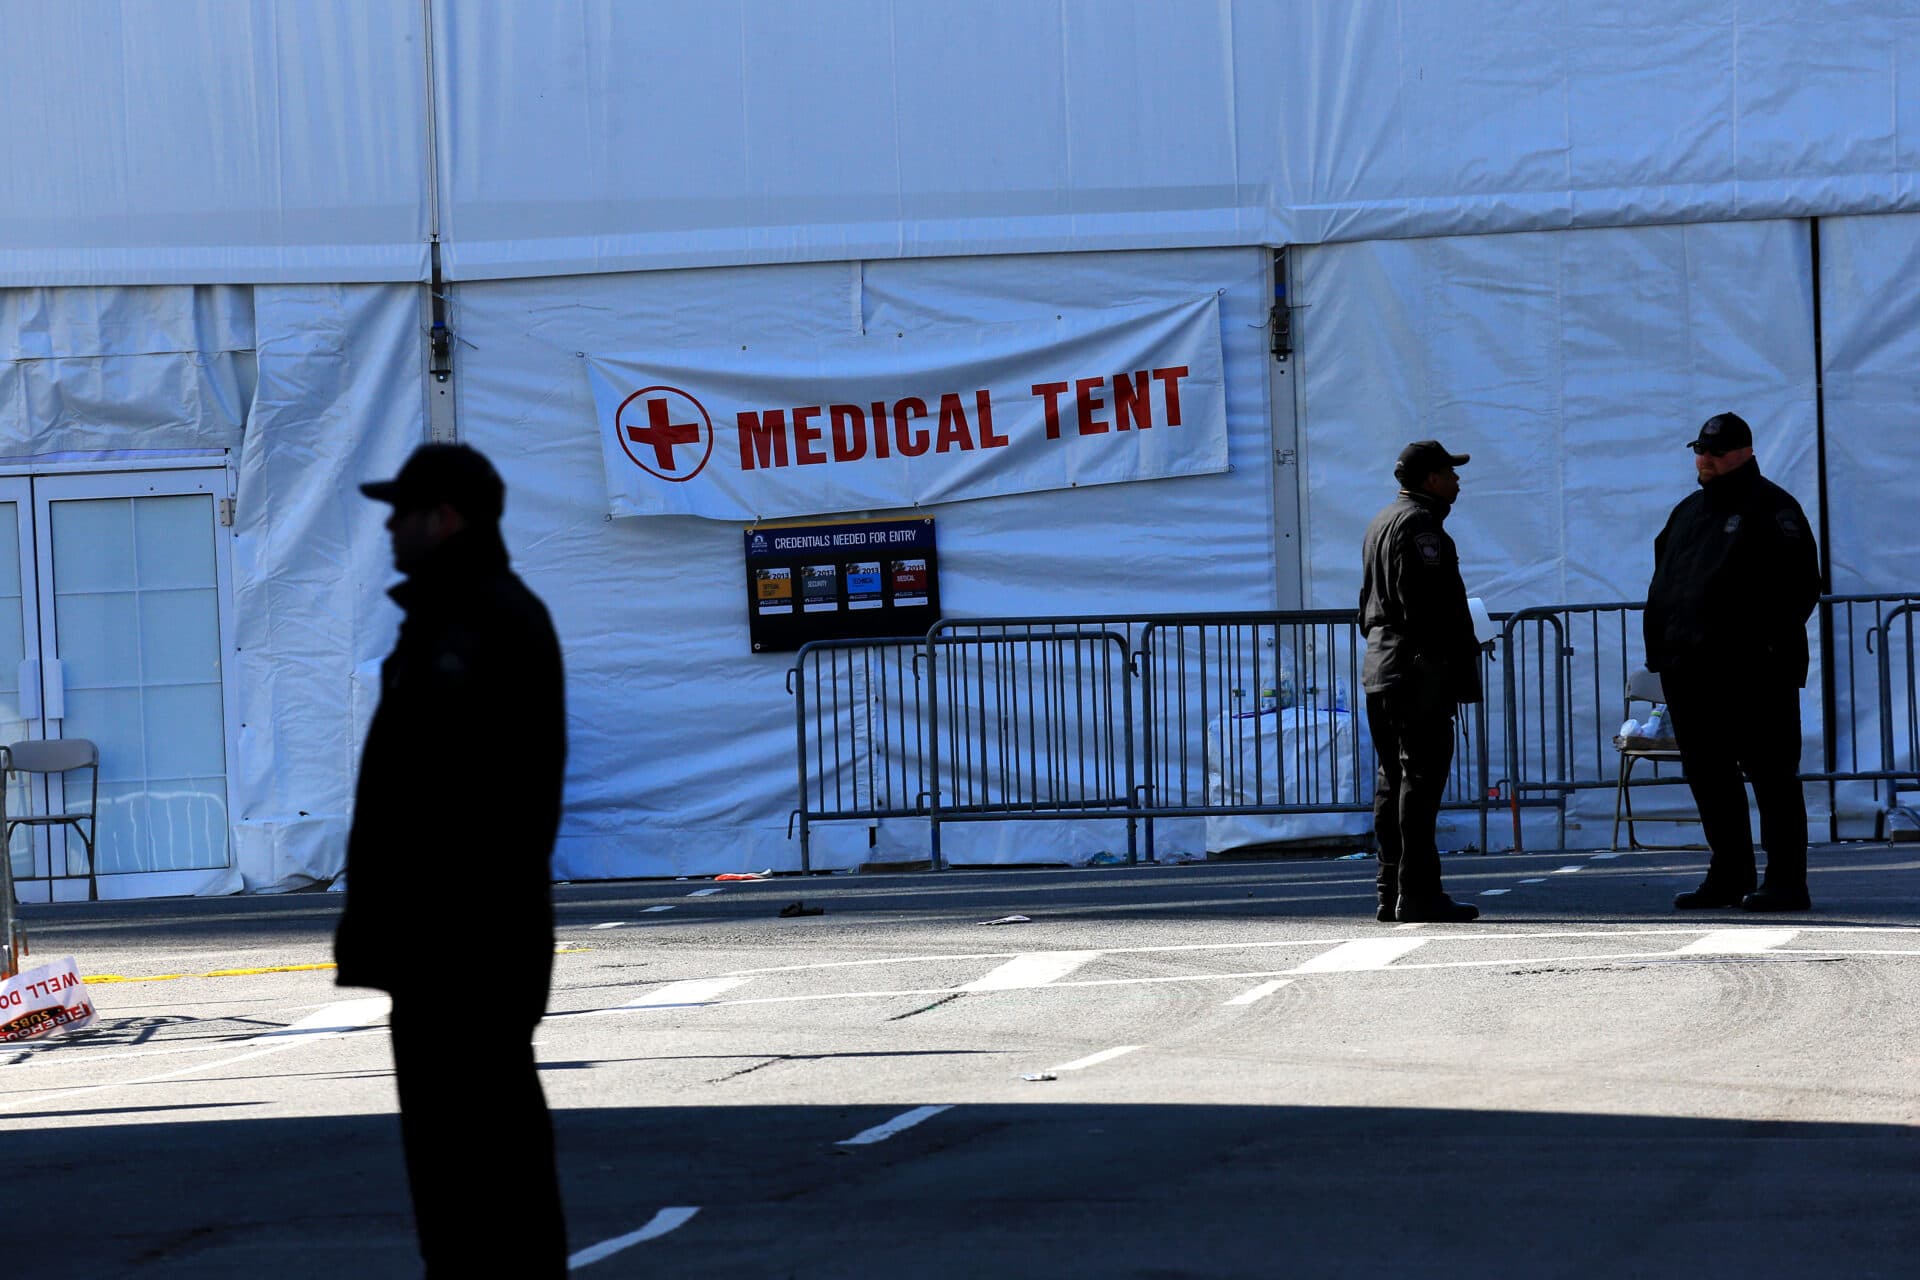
(869, 578)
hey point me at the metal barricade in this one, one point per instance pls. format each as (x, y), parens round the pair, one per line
(1029, 718)
(1123, 718)
(1565, 673)
(1867, 644)
(1249, 714)
(1566, 667)
(1898, 724)
(862, 732)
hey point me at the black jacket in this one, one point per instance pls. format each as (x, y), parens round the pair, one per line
(1413, 605)
(1735, 578)
(459, 793)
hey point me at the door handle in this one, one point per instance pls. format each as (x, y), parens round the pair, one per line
(56, 689)
(30, 689)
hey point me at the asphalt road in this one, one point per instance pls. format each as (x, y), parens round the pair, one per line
(1250, 1078)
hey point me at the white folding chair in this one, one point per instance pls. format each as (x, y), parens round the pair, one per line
(1642, 686)
(53, 755)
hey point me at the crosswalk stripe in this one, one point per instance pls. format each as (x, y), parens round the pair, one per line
(1035, 969)
(905, 1120)
(1724, 942)
(1261, 992)
(678, 995)
(1373, 953)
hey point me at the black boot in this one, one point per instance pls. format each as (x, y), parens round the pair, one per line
(1435, 908)
(1772, 897)
(1387, 887)
(1710, 896)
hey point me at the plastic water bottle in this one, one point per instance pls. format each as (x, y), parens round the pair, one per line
(1269, 699)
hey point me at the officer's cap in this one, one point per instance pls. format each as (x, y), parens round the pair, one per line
(1424, 457)
(456, 474)
(1722, 433)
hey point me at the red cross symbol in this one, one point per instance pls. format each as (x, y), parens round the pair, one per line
(662, 432)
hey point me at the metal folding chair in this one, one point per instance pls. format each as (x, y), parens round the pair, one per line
(45, 756)
(1642, 686)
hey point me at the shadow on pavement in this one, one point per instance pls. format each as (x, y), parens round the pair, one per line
(1039, 1189)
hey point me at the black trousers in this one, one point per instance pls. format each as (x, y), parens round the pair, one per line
(1727, 727)
(479, 1143)
(1413, 741)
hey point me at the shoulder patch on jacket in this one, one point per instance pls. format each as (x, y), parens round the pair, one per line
(1430, 547)
(1733, 523)
(1789, 524)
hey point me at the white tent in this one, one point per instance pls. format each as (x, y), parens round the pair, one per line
(1556, 238)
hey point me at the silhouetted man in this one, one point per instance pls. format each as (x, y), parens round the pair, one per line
(1735, 578)
(1422, 660)
(448, 884)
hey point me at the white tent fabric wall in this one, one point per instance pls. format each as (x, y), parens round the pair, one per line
(303, 391)
(683, 740)
(341, 399)
(110, 370)
(208, 141)
(1573, 366)
(1871, 346)
(1870, 313)
(696, 133)
(280, 141)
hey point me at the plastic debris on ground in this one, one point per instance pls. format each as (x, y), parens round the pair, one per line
(1009, 920)
(1039, 1075)
(744, 875)
(1105, 858)
(800, 909)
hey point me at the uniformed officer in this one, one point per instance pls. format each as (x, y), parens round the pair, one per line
(1735, 578)
(1422, 660)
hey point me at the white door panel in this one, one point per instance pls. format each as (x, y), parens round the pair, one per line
(19, 654)
(134, 602)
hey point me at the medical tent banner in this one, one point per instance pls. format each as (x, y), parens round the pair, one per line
(789, 427)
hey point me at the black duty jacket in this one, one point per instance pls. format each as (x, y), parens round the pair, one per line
(1413, 605)
(1735, 578)
(459, 796)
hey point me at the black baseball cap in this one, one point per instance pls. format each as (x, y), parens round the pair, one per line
(456, 474)
(1424, 457)
(1722, 433)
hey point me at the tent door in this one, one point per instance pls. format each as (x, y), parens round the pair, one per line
(126, 601)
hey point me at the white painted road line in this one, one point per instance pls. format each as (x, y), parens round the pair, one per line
(881, 1132)
(1260, 992)
(1560, 871)
(668, 907)
(1374, 953)
(1535, 880)
(662, 1222)
(681, 995)
(611, 924)
(1602, 857)
(1734, 942)
(1036, 969)
(702, 893)
(1095, 1059)
(1493, 893)
(1411, 924)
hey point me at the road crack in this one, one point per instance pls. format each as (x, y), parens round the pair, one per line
(923, 1008)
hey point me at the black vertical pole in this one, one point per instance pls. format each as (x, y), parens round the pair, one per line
(1829, 698)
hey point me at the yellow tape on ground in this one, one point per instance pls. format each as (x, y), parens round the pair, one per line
(216, 973)
(247, 973)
